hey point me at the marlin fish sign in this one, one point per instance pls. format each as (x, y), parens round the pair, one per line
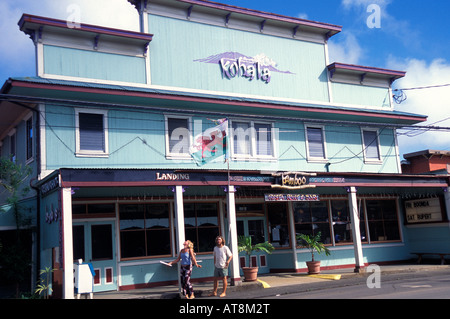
(234, 64)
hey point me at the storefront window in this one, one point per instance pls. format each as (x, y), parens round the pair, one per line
(342, 226)
(93, 210)
(256, 231)
(278, 224)
(310, 218)
(144, 230)
(382, 220)
(201, 225)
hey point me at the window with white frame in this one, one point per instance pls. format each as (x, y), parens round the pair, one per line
(178, 136)
(315, 143)
(371, 145)
(91, 132)
(252, 139)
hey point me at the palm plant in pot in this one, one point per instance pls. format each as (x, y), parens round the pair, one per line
(314, 244)
(245, 245)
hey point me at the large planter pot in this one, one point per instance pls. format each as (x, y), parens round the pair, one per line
(313, 267)
(250, 273)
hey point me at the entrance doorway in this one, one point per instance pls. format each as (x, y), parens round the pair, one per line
(93, 242)
(251, 221)
(255, 227)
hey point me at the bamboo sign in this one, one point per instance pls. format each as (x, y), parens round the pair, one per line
(292, 180)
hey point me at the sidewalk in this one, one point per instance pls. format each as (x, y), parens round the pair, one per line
(265, 281)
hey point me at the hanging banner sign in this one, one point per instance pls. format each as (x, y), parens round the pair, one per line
(423, 210)
(291, 198)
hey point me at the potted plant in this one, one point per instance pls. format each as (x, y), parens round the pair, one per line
(314, 244)
(245, 245)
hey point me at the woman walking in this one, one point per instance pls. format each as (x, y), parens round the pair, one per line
(187, 257)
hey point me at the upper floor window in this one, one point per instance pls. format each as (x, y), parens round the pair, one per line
(12, 145)
(178, 137)
(91, 132)
(315, 143)
(29, 138)
(371, 145)
(252, 140)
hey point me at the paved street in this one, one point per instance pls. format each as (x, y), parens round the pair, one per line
(436, 286)
(425, 284)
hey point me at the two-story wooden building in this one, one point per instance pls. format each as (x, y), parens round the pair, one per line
(311, 145)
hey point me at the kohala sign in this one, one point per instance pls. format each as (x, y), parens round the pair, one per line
(234, 64)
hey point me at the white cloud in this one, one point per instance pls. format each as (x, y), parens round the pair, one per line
(433, 102)
(118, 14)
(21, 51)
(345, 50)
(18, 50)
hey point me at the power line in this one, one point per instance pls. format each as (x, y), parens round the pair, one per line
(423, 87)
(400, 96)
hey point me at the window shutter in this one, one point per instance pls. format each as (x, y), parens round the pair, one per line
(178, 131)
(92, 135)
(315, 142)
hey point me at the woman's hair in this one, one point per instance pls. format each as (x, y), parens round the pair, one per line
(190, 244)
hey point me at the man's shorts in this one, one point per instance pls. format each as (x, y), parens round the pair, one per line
(220, 272)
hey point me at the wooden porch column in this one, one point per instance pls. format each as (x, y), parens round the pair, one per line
(67, 239)
(231, 210)
(356, 232)
(179, 222)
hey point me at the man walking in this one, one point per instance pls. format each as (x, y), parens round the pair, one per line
(222, 258)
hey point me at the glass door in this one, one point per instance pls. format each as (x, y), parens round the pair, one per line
(94, 243)
(255, 227)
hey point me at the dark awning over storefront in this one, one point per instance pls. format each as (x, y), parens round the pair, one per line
(161, 177)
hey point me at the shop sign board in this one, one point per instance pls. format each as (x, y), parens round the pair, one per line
(172, 176)
(237, 65)
(423, 210)
(291, 197)
(292, 180)
(50, 186)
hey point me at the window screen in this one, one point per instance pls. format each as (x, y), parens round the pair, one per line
(371, 145)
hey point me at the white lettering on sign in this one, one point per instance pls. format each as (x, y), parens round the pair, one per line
(423, 210)
(243, 67)
(235, 65)
(172, 177)
(291, 197)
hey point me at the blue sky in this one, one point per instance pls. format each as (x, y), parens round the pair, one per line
(412, 36)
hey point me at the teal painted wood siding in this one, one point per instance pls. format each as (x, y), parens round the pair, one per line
(185, 44)
(93, 65)
(137, 140)
(359, 95)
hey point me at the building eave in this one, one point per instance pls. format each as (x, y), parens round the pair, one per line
(344, 113)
